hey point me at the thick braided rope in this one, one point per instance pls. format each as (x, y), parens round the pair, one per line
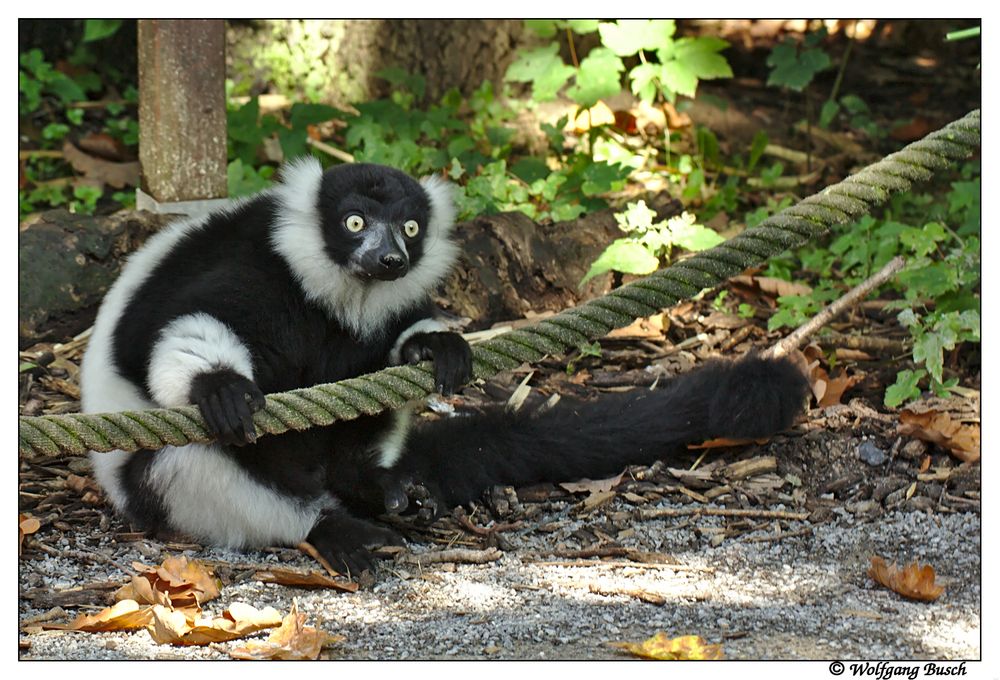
(392, 387)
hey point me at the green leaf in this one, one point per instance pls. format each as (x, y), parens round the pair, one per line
(99, 29)
(793, 68)
(598, 78)
(293, 143)
(694, 237)
(530, 169)
(600, 178)
(543, 28)
(626, 256)
(905, 388)
(543, 68)
(828, 113)
(582, 26)
(302, 115)
(700, 56)
(642, 81)
(757, 146)
(627, 36)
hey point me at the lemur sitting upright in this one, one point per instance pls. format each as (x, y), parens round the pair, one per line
(324, 277)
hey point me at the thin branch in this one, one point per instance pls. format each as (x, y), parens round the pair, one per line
(825, 316)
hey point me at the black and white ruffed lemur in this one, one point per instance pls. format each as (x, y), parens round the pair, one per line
(325, 277)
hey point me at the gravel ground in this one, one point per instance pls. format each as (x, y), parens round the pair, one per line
(800, 597)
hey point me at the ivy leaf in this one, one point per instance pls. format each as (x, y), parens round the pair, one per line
(627, 36)
(626, 256)
(795, 69)
(544, 69)
(828, 112)
(598, 77)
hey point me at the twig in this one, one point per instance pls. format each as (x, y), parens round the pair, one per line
(843, 65)
(826, 315)
(656, 513)
(331, 150)
(637, 593)
(454, 555)
(466, 523)
(862, 342)
(807, 531)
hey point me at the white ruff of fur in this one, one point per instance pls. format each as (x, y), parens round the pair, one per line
(391, 446)
(189, 346)
(363, 307)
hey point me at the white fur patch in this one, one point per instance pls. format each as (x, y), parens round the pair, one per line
(209, 496)
(393, 443)
(422, 326)
(188, 346)
(361, 306)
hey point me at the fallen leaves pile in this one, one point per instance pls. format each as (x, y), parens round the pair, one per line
(167, 601)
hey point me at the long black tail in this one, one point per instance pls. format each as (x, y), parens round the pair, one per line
(459, 458)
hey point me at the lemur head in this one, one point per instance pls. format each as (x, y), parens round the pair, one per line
(365, 240)
(375, 220)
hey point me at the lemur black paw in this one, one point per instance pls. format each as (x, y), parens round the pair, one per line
(344, 542)
(451, 354)
(227, 401)
(402, 493)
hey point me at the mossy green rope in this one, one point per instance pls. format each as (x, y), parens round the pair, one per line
(393, 387)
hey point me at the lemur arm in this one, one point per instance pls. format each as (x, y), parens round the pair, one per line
(199, 359)
(430, 339)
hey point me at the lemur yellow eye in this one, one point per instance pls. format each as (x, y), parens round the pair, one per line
(354, 223)
(411, 228)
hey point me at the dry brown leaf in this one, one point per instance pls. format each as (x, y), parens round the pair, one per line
(772, 286)
(105, 146)
(725, 442)
(26, 524)
(846, 354)
(937, 427)
(651, 327)
(99, 171)
(303, 579)
(836, 386)
(125, 615)
(662, 648)
(239, 620)
(178, 583)
(292, 641)
(724, 321)
(593, 485)
(914, 581)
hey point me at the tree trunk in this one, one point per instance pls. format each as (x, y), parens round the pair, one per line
(336, 60)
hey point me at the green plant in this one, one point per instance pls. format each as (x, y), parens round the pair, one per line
(794, 65)
(37, 78)
(667, 66)
(938, 289)
(647, 243)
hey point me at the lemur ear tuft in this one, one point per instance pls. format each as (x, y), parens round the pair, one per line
(441, 195)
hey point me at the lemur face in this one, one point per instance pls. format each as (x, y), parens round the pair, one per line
(374, 220)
